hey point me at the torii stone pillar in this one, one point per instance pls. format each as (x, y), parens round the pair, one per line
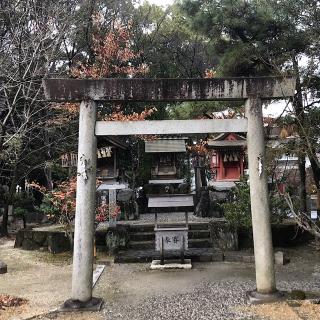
(81, 297)
(260, 208)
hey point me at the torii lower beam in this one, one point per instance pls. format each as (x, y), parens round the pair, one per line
(250, 90)
(160, 127)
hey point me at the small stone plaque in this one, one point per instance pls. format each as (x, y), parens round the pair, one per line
(172, 239)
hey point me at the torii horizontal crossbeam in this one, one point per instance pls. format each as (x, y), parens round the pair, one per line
(112, 89)
(160, 127)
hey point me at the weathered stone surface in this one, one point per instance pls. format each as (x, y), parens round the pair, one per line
(29, 244)
(3, 268)
(216, 198)
(39, 237)
(19, 239)
(239, 256)
(203, 205)
(124, 195)
(117, 238)
(183, 188)
(29, 235)
(297, 295)
(58, 242)
(216, 195)
(280, 258)
(195, 254)
(72, 305)
(223, 236)
(209, 204)
(138, 89)
(284, 235)
(174, 127)
(254, 297)
(55, 242)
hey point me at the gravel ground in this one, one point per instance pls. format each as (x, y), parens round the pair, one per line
(206, 301)
(210, 300)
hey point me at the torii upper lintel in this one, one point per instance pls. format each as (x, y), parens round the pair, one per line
(142, 89)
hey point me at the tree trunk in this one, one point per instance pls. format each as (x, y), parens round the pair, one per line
(48, 174)
(203, 177)
(198, 182)
(318, 201)
(303, 189)
(299, 113)
(8, 202)
(4, 225)
(316, 176)
(24, 221)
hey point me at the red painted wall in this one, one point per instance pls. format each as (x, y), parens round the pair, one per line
(227, 170)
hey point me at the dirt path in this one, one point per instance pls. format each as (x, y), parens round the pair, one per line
(35, 276)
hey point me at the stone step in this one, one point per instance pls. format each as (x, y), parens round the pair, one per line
(141, 228)
(200, 243)
(142, 236)
(199, 226)
(142, 245)
(149, 227)
(150, 244)
(198, 234)
(195, 254)
(145, 236)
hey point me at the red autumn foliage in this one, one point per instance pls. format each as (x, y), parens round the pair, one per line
(63, 202)
(198, 149)
(113, 57)
(118, 115)
(7, 301)
(210, 73)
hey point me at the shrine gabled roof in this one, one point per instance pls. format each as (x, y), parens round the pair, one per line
(223, 136)
(118, 142)
(221, 141)
(165, 145)
(227, 143)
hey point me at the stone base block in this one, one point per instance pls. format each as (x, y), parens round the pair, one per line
(254, 297)
(280, 258)
(3, 268)
(170, 264)
(95, 304)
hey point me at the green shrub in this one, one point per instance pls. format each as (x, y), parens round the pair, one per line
(237, 209)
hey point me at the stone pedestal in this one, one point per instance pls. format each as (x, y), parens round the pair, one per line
(71, 305)
(254, 297)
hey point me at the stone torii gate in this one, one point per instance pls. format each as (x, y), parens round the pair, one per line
(250, 90)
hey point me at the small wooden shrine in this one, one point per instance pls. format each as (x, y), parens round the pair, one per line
(108, 160)
(165, 163)
(166, 186)
(227, 155)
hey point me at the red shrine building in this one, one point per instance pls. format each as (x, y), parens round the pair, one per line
(227, 163)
